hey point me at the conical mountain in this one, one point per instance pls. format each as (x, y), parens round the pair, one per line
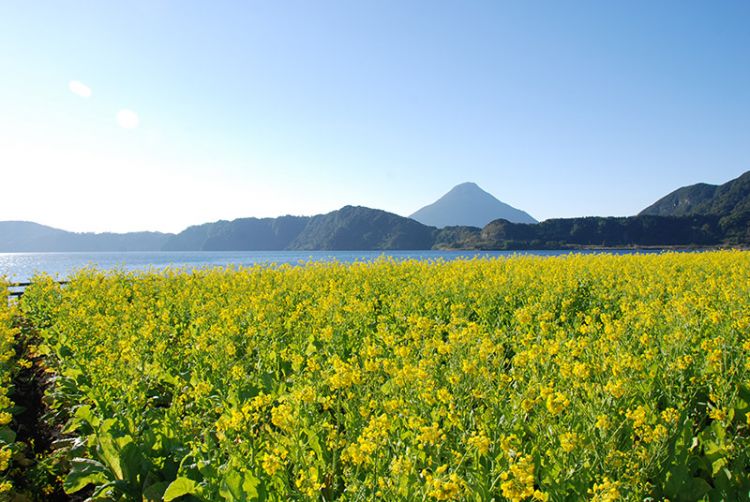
(468, 205)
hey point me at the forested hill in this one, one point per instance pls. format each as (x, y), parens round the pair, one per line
(349, 228)
(571, 233)
(730, 203)
(353, 228)
(244, 234)
(727, 200)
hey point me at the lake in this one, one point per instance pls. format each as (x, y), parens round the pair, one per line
(19, 267)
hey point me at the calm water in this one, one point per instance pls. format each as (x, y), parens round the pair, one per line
(22, 266)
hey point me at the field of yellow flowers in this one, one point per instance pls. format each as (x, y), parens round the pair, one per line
(7, 370)
(580, 377)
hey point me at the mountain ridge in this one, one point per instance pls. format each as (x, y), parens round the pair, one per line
(241, 234)
(25, 236)
(705, 199)
(729, 202)
(708, 215)
(357, 227)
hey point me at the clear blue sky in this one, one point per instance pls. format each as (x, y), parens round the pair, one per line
(232, 108)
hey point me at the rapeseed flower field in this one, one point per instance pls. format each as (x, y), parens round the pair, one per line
(592, 377)
(8, 366)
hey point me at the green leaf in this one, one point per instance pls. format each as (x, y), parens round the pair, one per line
(718, 430)
(168, 378)
(741, 407)
(231, 487)
(84, 472)
(7, 435)
(744, 392)
(72, 373)
(155, 492)
(698, 489)
(250, 485)
(109, 453)
(239, 487)
(718, 465)
(678, 480)
(207, 469)
(312, 440)
(131, 462)
(82, 416)
(268, 380)
(84, 413)
(180, 487)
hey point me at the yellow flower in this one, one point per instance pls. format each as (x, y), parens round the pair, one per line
(308, 483)
(430, 435)
(671, 416)
(5, 454)
(281, 417)
(719, 414)
(638, 416)
(518, 481)
(606, 491)
(557, 403)
(481, 442)
(274, 461)
(616, 388)
(568, 441)
(602, 422)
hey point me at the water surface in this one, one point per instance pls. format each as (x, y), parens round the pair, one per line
(22, 266)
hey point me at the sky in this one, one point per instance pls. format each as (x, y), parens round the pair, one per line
(159, 114)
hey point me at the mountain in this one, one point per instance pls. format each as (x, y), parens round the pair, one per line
(698, 215)
(644, 230)
(244, 234)
(729, 202)
(349, 228)
(359, 228)
(468, 205)
(593, 231)
(25, 236)
(721, 200)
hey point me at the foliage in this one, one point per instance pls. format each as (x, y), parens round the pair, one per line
(8, 368)
(459, 237)
(611, 231)
(564, 378)
(644, 230)
(357, 227)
